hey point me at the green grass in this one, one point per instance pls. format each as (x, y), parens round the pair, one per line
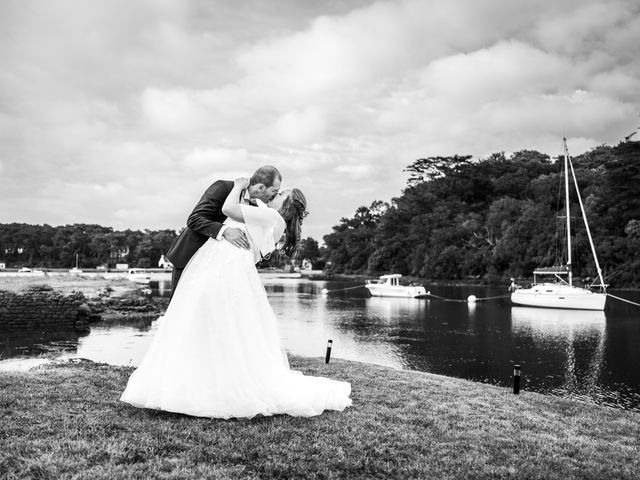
(65, 421)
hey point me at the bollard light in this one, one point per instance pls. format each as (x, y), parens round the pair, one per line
(328, 355)
(516, 379)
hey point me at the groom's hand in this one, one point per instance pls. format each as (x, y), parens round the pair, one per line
(236, 237)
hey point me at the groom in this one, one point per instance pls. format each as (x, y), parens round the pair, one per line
(206, 218)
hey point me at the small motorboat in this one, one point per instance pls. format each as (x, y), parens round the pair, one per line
(28, 271)
(138, 275)
(389, 286)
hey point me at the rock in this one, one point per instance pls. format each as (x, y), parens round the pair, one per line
(82, 327)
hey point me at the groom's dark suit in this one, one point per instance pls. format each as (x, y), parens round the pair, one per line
(204, 222)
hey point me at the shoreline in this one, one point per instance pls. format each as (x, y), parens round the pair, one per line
(54, 358)
(66, 419)
(127, 303)
(94, 275)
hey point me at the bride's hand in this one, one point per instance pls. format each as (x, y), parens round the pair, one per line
(241, 182)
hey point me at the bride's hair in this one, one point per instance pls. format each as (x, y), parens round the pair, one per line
(293, 210)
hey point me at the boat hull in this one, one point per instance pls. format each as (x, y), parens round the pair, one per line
(31, 273)
(559, 296)
(391, 291)
(140, 279)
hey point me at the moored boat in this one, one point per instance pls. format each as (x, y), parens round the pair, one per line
(562, 293)
(559, 295)
(389, 286)
(28, 271)
(138, 275)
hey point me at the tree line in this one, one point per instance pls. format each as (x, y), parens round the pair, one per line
(461, 218)
(45, 246)
(458, 218)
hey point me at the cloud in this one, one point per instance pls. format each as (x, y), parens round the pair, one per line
(125, 119)
(506, 69)
(300, 127)
(213, 160)
(583, 29)
(172, 111)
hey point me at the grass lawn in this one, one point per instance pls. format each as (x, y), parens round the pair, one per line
(65, 421)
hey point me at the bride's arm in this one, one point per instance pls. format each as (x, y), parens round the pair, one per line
(231, 207)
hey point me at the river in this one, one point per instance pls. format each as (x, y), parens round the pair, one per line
(591, 356)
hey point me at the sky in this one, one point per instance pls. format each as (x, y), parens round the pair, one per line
(121, 113)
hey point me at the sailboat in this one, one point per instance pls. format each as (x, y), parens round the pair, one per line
(561, 293)
(76, 269)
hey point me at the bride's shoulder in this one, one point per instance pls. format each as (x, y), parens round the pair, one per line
(264, 209)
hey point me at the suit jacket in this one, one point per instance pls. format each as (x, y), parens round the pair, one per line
(204, 222)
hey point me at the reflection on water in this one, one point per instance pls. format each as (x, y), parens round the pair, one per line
(308, 319)
(31, 343)
(122, 345)
(577, 337)
(581, 354)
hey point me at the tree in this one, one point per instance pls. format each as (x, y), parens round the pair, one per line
(309, 250)
(351, 243)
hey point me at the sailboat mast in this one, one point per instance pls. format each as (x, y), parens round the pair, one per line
(584, 218)
(566, 201)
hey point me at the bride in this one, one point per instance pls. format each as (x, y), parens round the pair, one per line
(217, 350)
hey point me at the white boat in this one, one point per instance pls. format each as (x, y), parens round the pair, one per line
(28, 271)
(138, 275)
(561, 293)
(389, 286)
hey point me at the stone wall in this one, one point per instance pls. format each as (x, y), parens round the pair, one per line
(40, 307)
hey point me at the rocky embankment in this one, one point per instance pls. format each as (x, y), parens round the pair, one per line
(62, 303)
(138, 301)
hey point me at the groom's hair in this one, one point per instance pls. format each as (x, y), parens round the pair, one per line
(265, 175)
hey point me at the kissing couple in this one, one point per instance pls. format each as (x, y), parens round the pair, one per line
(217, 351)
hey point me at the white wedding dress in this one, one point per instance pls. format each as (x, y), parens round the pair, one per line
(217, 350)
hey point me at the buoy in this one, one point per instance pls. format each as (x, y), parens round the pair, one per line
(325, 291)
(471, 299)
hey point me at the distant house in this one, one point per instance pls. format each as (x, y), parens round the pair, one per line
(118, 254)
(164, 263)
(122, 266)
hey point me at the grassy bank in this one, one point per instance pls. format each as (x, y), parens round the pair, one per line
(65, 421)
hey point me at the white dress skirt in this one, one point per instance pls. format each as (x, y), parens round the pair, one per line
(217, 350)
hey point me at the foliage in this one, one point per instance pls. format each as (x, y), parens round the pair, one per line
(56, 247)
(351, 242)
(461, 218)
(309, 249)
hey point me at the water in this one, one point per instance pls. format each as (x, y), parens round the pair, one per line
(593, 356)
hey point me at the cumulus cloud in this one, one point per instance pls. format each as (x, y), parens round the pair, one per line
(124, 119)
(300, 127)
(212, 160)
